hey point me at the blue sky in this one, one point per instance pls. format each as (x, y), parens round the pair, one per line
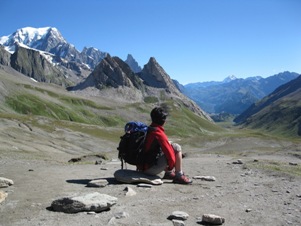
(193, 40)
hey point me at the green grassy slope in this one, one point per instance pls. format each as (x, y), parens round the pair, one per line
(26, 100)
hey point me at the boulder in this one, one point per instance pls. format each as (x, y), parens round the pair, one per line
(90, 202)
(133, 177)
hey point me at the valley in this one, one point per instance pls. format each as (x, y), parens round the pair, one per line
(38, 140)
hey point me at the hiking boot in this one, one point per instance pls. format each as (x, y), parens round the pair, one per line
(169, 175)
(182, 179)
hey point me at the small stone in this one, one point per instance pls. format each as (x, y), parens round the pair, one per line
(144, 185)
(213, 219)
(3, 196)
(293, 163)
(91, 213)
(178, 215)
(248, 210)
(98, 162)
(98, 183)
(206, 178)
(4, 182)
(129, 191)
(121, 215)
(238, 161)
(178, 223)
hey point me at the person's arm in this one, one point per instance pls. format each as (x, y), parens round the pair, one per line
(167, 150)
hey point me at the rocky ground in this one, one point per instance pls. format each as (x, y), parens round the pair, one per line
(243, 193)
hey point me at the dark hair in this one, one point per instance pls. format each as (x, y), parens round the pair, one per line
(158, 115)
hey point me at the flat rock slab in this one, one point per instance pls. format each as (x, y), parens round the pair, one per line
(133, 177)
(95, 202)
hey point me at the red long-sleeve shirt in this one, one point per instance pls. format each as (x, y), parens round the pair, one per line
(156, 139)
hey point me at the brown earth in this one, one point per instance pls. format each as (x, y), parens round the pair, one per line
(244, 194)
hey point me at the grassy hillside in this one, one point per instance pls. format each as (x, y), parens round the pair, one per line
(278, 113)
(28, 101)
(282, 119)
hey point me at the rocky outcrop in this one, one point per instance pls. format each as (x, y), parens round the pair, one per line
(157, 80)
(154, 75)
(31, 63)
(4, 56)
(152, 81)
(111, 72)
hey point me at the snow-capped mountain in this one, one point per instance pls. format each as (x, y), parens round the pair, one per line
(49, 39)
(33, 38)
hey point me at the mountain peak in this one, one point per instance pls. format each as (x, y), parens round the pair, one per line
(229, 78)
(31, 37)
(133, 63)
(154, 75)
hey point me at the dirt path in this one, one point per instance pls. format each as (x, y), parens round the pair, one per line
(242, 196)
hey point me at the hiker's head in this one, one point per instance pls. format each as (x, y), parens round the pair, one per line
(158, 116)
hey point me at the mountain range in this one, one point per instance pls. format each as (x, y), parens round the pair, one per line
(46, 57)
(234, 95)
(50, 40)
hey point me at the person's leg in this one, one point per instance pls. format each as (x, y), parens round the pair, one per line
(178, 152)
(178, 166)
(179, 174)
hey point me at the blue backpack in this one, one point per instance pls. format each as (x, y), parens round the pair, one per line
(130, 149)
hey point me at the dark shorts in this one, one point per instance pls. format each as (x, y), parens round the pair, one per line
(161, 163)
